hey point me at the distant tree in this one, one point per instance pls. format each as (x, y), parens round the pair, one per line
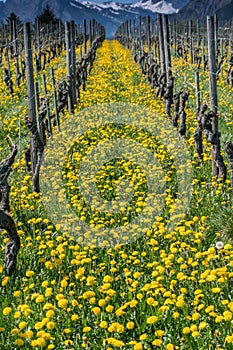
(13, 18)
(47, 16)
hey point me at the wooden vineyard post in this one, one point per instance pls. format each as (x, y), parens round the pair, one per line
(135, 36)
(90, 32)
(212, 83)
(140, 37)
(130, 34)
(47, 107)
(69, 66)
(60, 36)
(21, 63)
(198, 99)
(37, 25)
(190, 40)
(161, 44)
(38, 116)
(169, 78)
(148, 33)
(230, 42)
(218, 167)
(7, 58)
(73, 59)
(85, 36)
(29, 71)
(216, 36)
(203, 52)
(94, 31)
(221, 46)
(166, 42)
(16, 52)
(127, 34)
(31, 101)
(55, 101)
(198, 34)
(174, 35)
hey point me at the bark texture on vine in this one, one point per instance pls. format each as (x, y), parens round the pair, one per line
(6, 221)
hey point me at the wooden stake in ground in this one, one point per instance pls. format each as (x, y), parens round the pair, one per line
(169, 78)
(31, 120)
(161, 44)
(85, 36)
(199, 129)
(73, 59)
(190, 40)
(69, 67)
(197, 87)
(56, 112)
(217, 160)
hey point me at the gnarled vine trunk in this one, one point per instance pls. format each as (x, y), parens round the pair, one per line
(6, 221)
(13, 245)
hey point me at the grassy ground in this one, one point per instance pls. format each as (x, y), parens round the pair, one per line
(169, 288)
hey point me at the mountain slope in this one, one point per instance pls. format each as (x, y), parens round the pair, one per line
(159, 7)
(225, 14)
(111, 14)
(199, 9)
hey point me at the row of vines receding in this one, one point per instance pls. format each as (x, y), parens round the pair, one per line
(48, 61)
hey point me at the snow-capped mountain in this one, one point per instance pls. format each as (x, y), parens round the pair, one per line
(116, 11)
(159, 7)
(154, 6)
(105, 5)
(110, 14)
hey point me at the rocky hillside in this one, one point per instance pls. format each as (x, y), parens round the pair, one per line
(199, 9)
(225, 14)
